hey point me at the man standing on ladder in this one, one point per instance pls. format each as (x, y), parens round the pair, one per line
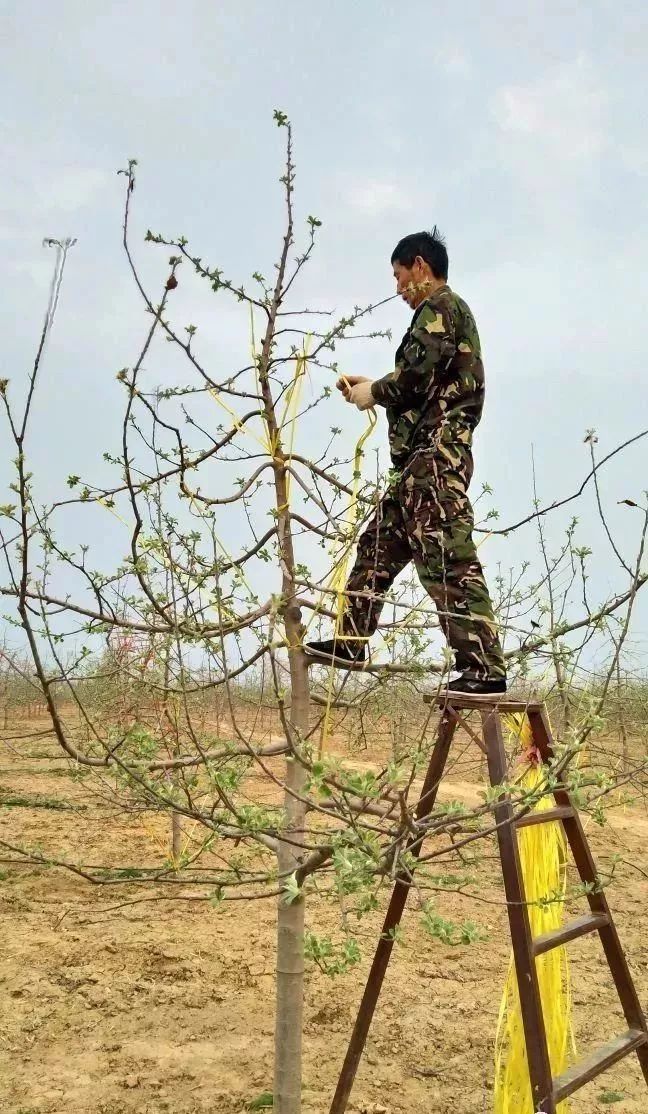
(433, 399)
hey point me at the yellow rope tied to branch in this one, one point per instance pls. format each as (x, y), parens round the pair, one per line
(543, 862)
(338, 578)
(289, 416)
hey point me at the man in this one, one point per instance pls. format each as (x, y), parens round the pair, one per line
(433, 400)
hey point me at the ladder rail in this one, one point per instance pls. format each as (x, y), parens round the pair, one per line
(518, 914)
(596, 898)
(395, 909)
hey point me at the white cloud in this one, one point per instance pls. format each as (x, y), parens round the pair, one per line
(376, 198)
(561, 114)
(634, 159)
(69, 188)
(38, 270)
(455, 61)
(37, 195)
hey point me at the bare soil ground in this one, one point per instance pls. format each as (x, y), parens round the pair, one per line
(109, 1007)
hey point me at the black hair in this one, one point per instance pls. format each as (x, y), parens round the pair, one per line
(429, 245)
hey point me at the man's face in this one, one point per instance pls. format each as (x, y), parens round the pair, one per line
(413, 283)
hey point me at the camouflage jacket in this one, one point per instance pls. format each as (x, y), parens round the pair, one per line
(437, 385)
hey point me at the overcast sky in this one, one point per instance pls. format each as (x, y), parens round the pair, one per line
(519, 129)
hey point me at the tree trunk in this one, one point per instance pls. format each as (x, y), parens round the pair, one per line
(290, 915)
(176, 837)
(290, 922)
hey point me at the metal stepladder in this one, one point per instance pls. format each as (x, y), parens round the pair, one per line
(546, 1091)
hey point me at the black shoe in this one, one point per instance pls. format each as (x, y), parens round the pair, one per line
(471, 687)
(338, 651)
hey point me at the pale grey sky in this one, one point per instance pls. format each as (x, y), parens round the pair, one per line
(518, 129)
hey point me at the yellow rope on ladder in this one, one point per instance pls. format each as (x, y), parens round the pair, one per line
(543, 863)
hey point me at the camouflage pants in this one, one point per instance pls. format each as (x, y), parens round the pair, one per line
(426, 517)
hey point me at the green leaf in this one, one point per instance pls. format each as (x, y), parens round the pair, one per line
(292, 890)
(608, 1097)
(262, 1102)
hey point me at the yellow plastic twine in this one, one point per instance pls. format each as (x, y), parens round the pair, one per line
(338, 578)
(543, 862)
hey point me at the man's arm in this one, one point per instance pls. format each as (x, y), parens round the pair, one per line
(429, 344)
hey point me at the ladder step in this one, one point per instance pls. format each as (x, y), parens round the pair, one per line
(501, 702)
(561, 812)
(597, 1062)
(589, 922)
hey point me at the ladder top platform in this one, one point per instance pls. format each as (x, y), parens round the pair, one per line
(503, 703)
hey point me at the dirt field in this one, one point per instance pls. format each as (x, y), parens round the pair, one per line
(169, 1007)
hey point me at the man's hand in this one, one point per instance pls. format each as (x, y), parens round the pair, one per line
(346, 382)
(361, 395)
(357, 390)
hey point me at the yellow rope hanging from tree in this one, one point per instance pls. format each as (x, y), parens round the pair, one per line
(543, 862)
(338, 578)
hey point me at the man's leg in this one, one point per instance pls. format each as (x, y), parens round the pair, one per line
(383, 551)
(439, 520)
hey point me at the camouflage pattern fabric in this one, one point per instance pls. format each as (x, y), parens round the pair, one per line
(426, 517)
(434, 400)
(438, 375)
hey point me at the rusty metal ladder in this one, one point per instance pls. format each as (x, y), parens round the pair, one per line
(546, 1091)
